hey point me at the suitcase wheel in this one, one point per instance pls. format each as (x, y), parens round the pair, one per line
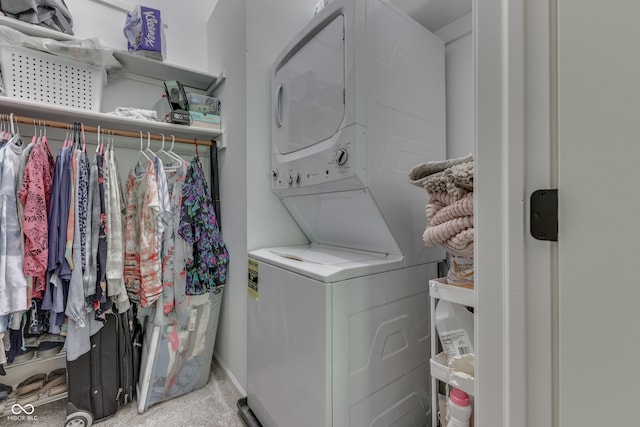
(79, 419)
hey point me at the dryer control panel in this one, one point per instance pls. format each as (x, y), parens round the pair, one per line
(336, 164)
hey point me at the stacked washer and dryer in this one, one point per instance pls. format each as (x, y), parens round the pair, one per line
(338, 330)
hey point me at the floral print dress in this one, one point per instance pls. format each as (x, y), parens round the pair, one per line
(207, 266)
(142, 262)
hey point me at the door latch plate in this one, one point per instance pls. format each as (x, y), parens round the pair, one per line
(544, 215)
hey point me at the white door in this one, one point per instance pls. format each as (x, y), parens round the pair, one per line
(599, 212)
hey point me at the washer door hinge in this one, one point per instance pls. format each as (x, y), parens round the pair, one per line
(544, 215)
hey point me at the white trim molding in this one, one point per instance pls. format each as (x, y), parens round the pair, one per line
(513, 314)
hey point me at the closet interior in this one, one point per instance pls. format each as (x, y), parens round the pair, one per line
(151, 285)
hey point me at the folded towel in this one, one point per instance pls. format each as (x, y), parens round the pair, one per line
(461, 244)
(419, 173)
(459, 208)
(439, 234)
(450, 223)
(454, 176)
(136, 113)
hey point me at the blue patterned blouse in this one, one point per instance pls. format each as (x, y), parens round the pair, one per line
(207, 267)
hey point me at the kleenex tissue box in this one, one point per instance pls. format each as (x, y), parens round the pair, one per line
(143, 30)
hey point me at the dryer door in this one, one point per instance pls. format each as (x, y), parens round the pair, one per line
(308, 89)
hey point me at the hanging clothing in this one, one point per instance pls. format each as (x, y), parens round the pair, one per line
(207, 265)
(35, 198)
(60, 221)
(59, 271)
(174, 253)
(143, 268)
(83, 203)
(75, 309)
(115, 245)
(20, 177)
(13, 283)
(19, 181)
(97, 297)
(164, 213)
(83, 323)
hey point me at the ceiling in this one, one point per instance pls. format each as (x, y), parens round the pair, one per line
(434, 14)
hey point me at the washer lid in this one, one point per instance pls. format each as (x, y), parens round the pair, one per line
(326, 263)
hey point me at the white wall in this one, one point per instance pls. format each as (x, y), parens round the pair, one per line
(185, 32)
(459, 81)
(270, 26)
(252, 216)
(226, 30)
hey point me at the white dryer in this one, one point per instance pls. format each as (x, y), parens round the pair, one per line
(338, 329)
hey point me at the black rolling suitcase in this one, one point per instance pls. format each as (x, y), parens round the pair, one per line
(104, 378)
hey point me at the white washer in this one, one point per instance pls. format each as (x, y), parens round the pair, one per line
(334, 342)
(339, 332)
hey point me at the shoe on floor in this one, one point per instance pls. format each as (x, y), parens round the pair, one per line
(48, 349)
(56, 382)
(25, 355)
(5, 390)
(28, 391)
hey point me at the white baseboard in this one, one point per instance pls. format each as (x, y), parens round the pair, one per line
(232, 379)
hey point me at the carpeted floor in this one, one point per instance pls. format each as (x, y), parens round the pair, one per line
(212, 406)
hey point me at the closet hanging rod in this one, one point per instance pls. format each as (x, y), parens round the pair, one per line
(94, 129)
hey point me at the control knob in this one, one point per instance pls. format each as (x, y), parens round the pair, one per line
(341, 156)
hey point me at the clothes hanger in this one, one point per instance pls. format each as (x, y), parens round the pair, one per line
(2, 126)
(107, 146)
(172, 158)
(84, 139)
(177, 156)
(99, 140)
(15, 132)
(141, 148)
(74, 136)
(34, 139)
(45, 140)
(13, 127)
(148, 149)
(110, 139)
(5, 126)
(66, 137)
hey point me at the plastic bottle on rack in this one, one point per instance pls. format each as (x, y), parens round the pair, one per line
(459, 408)
(454, 324)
